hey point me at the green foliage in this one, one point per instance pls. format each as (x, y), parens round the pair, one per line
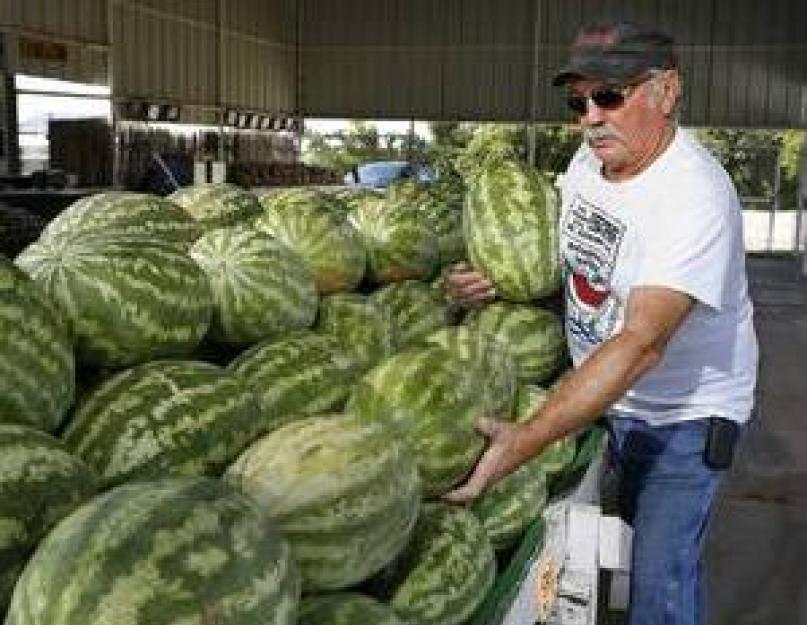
(360, 143)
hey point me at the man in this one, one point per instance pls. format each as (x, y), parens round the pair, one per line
(658, 319)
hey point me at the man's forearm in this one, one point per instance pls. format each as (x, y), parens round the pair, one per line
(585, 395)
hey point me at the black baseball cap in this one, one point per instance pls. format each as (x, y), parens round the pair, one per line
(617, 51)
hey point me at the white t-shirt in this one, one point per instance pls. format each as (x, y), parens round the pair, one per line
(678, 225)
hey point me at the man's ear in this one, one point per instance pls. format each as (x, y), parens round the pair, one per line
(670, 88)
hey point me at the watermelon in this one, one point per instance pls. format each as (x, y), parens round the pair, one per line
(125, 213)
(345, 608)
(301, 375)
(512, 503)
(40, 483)
(511, 231)
(164, 418)
(217, 205)
(37, 365)
(296, 198)
(400, 244)
(494, 362)
(260, 288)
(181, 550)
(441, 210)
(364, 328)
(129, 299)
(352, 197)
(345, 493)
(417, 310)
(558, 455)
(446, 570)
(327, 243)
(432, 398)
(533, 335)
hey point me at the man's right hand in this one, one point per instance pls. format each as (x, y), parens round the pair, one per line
(466, 286)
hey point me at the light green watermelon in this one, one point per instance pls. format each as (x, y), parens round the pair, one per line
(303, 374)
(302, 197)
(183, 550)
(439, 208)
(511, 230)
(365, 328)
(417, 310)
(326, 241)
(533, 335)
(446, 570)
(164, 418)
(125, 213)
(352, 197)
(345, 608)
(261, 288)
(40, 483)
(400, 244)
(494, 362)
(558, 455)
(511, 504)
(217, 205)
(128, 299)
(433, 399)
(37, 365)
(345, 493)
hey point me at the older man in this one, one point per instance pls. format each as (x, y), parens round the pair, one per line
(658, 319)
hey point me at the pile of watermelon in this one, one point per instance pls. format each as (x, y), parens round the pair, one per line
(220, 408)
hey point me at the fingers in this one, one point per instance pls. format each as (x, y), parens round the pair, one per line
(468, 286)
(465, 493)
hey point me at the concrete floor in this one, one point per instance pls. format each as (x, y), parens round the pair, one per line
(757, 549)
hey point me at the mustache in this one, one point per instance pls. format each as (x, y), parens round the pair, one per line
(597, 133)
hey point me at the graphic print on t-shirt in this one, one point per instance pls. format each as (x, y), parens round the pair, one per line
(592, 238)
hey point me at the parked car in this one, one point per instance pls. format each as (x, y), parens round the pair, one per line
(381, 174)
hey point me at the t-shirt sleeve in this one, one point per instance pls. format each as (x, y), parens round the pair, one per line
(688, 247)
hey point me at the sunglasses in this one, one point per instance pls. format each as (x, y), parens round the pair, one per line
(607, 98)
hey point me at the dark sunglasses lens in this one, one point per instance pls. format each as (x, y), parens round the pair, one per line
(608, 98)
(577, 104)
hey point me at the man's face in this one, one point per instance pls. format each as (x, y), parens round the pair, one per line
(626, 129)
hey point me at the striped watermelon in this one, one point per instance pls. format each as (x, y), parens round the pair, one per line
(511, 504)
(533, 335)
(345, 493)
(560, 454)
(352, 197)
(345, 608)
(416, 308)
(36, 353)
(183, 550)
(302, 197)
(260, 287)
(511, 231)
(125, 213)
(164, 418)
(439, 208)
(445, 571)
(303, 374)
(129, 299)
(495, 362)
(217, 205)
(325, 240)
(433, 399)
(40, 483)
(365, 328)
(400, 244)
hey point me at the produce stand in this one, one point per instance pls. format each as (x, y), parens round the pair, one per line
(525, 590)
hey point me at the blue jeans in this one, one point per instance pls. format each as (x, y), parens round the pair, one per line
(666, 492)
